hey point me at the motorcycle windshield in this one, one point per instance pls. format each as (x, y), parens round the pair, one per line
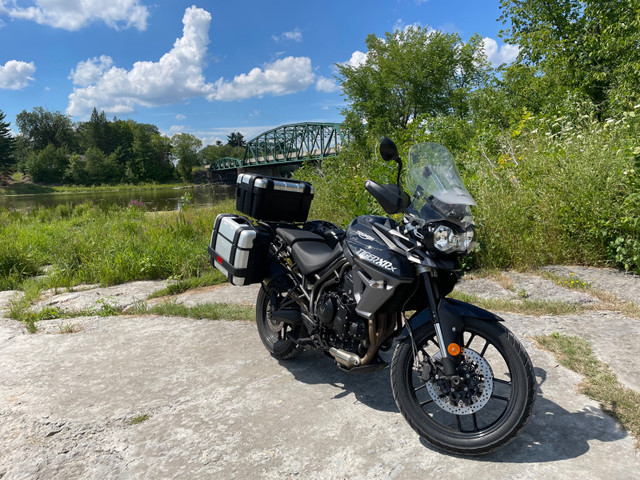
(433, 178)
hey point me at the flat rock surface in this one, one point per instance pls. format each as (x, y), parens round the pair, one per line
(224, 293)
(626, 286)
(214, 404)
(82, 298)
(218, 406)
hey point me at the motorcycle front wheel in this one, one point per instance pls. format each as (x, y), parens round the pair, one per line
(480, 410)
(273, 333)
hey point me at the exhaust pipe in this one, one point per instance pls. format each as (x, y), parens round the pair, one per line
(345, 358)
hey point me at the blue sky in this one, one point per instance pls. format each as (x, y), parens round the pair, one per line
(207, 68)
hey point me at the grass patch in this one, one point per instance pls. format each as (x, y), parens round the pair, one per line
(600, 383)
(524, 306)
(207, 279)
(106, 246)
(139, 419)
(212, 311)
(66, 328)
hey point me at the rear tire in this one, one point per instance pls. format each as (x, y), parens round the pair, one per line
(273, 333)
(489, 418)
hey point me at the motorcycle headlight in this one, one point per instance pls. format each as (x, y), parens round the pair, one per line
(445, 239)
(448, 241)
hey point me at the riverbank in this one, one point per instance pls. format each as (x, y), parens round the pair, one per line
(107, 246)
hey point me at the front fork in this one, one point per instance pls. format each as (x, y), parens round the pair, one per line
(447, 333)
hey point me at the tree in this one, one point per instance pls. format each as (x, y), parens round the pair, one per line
(236, 139)
(584, 48)
(97, 133)
(43, 128)
(48, 165)
(6, 144)
(411, 73)
(185, 147)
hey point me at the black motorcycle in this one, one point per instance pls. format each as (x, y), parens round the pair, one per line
(460, 378)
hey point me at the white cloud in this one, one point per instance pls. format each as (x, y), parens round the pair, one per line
(177, 76)
(294, 36)
(498, 56)
(181, 117)
(75, 14)
(15, 74)
(90, 71)
(357, 59)
(327, 85)
(176, 128)
(282, 77)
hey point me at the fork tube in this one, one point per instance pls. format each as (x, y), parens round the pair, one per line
(444, 337)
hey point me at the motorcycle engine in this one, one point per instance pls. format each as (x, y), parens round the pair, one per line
(341, 327)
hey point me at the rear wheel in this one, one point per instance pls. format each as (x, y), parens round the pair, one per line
(481, 408)
(273, 333)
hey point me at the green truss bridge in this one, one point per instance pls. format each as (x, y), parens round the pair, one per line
(282, 149)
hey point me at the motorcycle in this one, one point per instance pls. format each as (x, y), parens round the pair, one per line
(459, 377)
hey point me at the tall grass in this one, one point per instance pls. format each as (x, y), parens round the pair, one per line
(88, 244)
(548, 191)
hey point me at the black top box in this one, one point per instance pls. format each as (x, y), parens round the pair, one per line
(273, 199)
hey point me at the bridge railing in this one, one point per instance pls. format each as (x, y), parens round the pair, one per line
(288, 144)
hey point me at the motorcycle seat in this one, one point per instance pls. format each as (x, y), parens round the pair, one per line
(313, 256)
(293, 235)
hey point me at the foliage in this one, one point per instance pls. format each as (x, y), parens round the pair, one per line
(185, 147)
(583, 48)
(236, 139)
(42, 128)
(417, 71)
(87, 244)
(47, 165)
(6, 144)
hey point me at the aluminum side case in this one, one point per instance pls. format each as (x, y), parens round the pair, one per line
(238, 249)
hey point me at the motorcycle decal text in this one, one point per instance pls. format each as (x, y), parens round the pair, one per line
(376, 260)
(364, 236)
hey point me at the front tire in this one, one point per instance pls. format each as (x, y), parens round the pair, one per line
(273, 333)
(495, 369)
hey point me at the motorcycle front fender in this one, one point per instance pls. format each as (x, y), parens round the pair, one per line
(452, 313)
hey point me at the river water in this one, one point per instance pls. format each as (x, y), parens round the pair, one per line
(153, 199)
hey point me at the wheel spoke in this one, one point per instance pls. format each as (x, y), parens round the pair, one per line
(459, 423)
(500, 397)
(426, 402)
(473, 335)
(484, 349)
(420, 387)
(503, 382)
(475, 422)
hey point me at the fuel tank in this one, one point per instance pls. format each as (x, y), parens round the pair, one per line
(370, 251)
(378, 271)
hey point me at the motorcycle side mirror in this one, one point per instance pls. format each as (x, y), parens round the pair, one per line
(388, 150)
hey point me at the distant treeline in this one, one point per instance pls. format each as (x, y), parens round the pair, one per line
(52, 149)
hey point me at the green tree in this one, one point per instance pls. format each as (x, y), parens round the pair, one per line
(47, 165)
(6, 144)
(411, 73)
(584, 49)
(97, 133)
(185, 148)
(236, 139)
(43, 128)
